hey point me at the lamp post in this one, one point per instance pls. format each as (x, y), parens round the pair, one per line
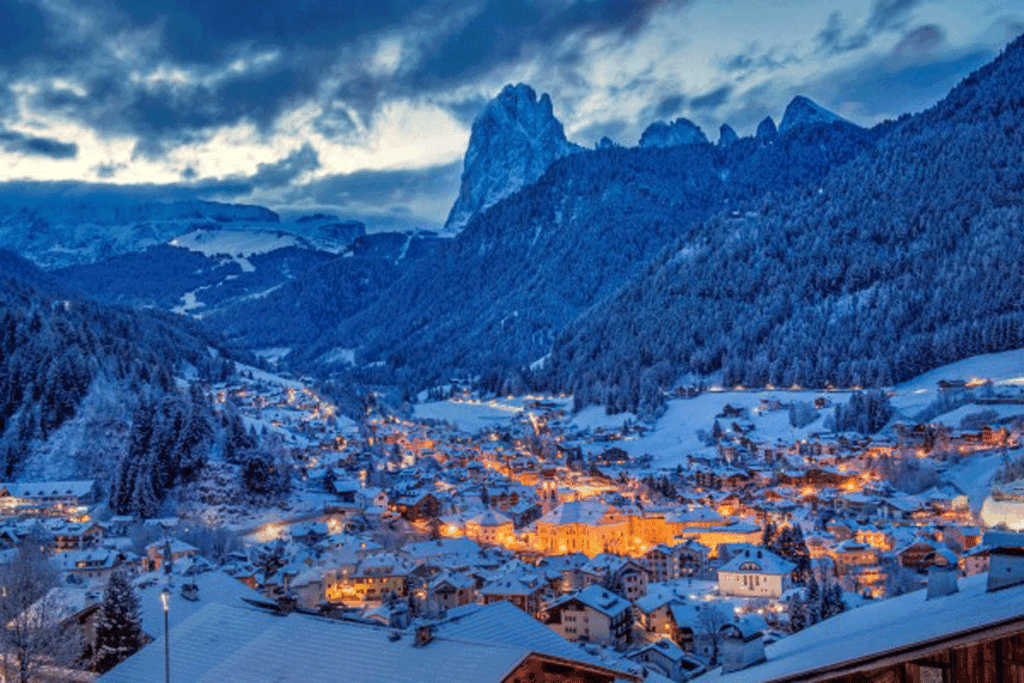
(165, 598)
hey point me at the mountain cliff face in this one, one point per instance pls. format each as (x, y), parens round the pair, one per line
(513, 141)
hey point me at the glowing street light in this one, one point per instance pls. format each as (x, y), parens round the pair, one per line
(165, 598)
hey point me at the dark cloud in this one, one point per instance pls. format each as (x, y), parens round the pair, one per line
(887, 87)
(669, 106)
(108, 170)
(394, 188)
(754, 59)
(834, 38)
(212, 31)
(886, 15)
(616, 130)
(168, 115)
(29, 145)
(503, 32)
(919, 42)
(466, 111)
(284, 171)
(712, 100)
(889, 14)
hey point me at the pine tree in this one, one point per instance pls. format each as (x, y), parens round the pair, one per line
(119, 626)
(813, 604)
(797, 611)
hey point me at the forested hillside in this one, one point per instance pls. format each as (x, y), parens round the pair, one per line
(88, 390)
(902, 260)
(494, 297)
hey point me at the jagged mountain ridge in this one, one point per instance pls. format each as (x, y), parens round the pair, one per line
(499, 292)
(900, 261)
(513, 141)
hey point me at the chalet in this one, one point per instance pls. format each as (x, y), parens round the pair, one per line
(376, 578)
(594, 615)
(46, 498)
(491, 528)
(628, 577)
(755, 572)
(969, 630)
(521, 593)
(924, 553)
(158, 551)
(309, 534)
(418, 507)
(669, 562)
(450, 590)
(851, 554)
(669, 660)
(70, 537)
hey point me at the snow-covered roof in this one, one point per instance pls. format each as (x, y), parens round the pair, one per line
(576, 512)
(757, 561)
(491, 518)
(214, 588)
(80, 488)
(598, 598)
(886, 626)
(503, 622)
(222, 643)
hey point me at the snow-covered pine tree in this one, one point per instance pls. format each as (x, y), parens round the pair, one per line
(813, 604)
(119, 625)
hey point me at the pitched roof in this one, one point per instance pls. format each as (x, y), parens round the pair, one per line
(597, 598)
(576, 512)
(763, 562)
(221, 643)
(882, 627)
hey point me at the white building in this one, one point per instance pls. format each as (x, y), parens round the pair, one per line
(755, 573)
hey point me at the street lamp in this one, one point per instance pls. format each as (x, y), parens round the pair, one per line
(165, 598)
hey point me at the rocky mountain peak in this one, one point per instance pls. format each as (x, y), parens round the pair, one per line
(513, 141)
(679, 132)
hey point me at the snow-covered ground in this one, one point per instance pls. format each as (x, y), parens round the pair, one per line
(1005, 368)
(472, 416)
(238, 244)
(974, 476)
(675, 434)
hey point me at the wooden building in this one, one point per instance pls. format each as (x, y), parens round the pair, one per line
(953, 632)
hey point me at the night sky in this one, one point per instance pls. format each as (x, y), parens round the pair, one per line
(363, 107)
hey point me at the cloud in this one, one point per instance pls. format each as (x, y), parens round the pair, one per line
(109, 169)
(833, 39)
(887, 86)
(284, 171)
(889, 14)
(30, 145)
(919, 42)
(503, 32)
(669, 106)
(712, 100)
(390, 188)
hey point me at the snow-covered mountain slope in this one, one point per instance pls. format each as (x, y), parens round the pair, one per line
(513, 141)
(61, 232)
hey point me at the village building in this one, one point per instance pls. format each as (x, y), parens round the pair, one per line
(755, 572)
(594, 615)
(967, 630)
